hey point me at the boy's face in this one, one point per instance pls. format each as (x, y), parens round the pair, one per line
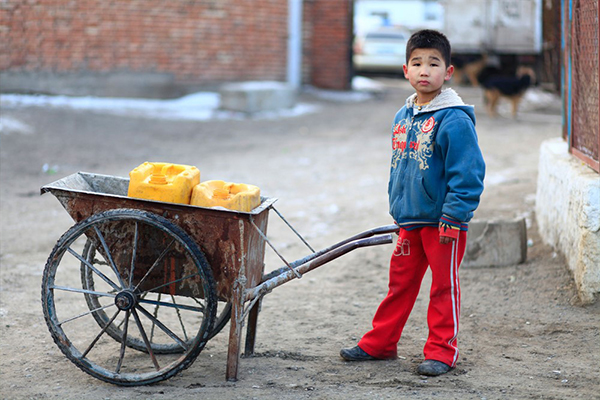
(426, 71)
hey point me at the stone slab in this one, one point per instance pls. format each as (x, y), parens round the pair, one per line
(496, 243)
(257, 96)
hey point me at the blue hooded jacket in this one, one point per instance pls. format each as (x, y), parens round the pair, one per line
(437, 168)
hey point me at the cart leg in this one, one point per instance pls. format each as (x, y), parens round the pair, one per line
(235, 334)
(251, 332)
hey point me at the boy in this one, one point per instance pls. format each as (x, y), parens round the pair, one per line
(436, 180)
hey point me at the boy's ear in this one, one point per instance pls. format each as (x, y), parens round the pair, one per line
(449, 73)
(405, 68)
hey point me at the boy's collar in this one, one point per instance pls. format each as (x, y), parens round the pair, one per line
(447, 98)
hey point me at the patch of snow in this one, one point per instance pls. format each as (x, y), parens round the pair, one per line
(10, 125)
(297, 110)
(199, 106)
(362, 83)
(257, 85)
(537, 96)
(495, 179)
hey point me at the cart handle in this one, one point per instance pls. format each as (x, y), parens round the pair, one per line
(372, 232)
(283, 275)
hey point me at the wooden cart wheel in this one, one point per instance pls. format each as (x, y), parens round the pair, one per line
(144, 284)
(223, 314)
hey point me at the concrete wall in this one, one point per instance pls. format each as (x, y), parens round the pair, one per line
(568, 214)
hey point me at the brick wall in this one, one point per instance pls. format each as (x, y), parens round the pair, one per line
(329, 42)
(196, 42)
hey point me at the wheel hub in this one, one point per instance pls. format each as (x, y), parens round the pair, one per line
(125, 300)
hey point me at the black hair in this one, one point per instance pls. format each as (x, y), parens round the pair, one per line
(429, 39)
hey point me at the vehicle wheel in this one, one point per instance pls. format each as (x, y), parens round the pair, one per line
(223, 317)
(223, 313)
(142, 283)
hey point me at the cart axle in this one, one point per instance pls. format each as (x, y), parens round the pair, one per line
(125, 300)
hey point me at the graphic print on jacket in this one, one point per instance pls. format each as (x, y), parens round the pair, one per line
(420, 149)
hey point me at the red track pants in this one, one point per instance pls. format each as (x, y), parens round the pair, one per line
(416, 249)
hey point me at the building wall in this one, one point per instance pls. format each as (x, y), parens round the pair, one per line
(329, 46)
(195, 41)
(568, 214)
(181, 42)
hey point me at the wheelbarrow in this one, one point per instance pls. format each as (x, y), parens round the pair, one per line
(135, 289)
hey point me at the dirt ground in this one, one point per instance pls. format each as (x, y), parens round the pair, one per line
(523, 334)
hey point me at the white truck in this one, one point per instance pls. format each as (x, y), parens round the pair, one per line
(493, 26)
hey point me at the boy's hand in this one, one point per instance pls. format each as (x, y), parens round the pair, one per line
(446, 239)
(448, 233)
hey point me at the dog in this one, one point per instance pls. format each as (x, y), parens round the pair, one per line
(468, 67)
(512, 88)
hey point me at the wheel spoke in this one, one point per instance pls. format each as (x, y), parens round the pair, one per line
(198, 302)
(90, 266)
(158, 260)
(84, 314)
(163, 327)
(156, 308)
(133, 255)
(177, 306)
(91, 346)
(123, 342)
(179, 317)
(154, 289)
(145, 338)
(109, 255)
(84, 291)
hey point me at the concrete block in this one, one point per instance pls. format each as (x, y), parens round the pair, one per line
(256, 96)
(496, 243)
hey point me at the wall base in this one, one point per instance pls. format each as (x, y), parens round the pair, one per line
(109, 84)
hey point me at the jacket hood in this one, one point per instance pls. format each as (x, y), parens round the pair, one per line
(446, 99)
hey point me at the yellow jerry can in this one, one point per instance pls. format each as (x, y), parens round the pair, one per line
(233, 196)
(171, 183)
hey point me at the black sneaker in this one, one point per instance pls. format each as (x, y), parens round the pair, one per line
(356, 354)
(433, 368)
